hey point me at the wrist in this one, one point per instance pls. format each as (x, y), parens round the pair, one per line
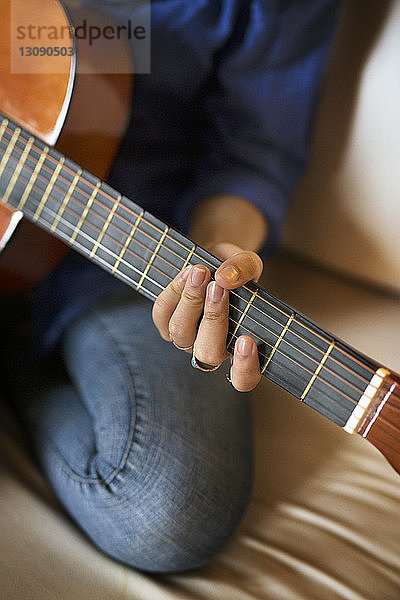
(228, 218)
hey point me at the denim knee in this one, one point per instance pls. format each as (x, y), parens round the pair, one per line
(165, 526)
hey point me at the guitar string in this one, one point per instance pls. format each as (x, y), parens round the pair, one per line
(309, 357)
(345, 367)
(311, 345)
(132, 212)
(280, 324)
(301, 366)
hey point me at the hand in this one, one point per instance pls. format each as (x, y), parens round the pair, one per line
(192, 297)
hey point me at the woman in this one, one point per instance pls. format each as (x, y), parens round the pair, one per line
(150, 456)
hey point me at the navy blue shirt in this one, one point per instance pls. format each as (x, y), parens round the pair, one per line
(227, 108)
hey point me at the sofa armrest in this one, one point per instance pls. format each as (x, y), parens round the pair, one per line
(346, 213)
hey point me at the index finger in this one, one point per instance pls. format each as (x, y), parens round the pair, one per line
(167, 302)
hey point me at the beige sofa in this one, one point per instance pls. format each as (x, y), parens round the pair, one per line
(324, 519)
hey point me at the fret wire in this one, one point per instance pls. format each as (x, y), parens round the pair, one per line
(10, 147)
(18, 169)
(54, 227)
(302, 325)
(105, 226)
(106, 196)
(32, 179)
(242, 317)
(70, 225)
(98, 259)
(152, 258)
(45, 184)
(267, 302)
(93, 225)
(49, 188)
(317, 370)
(314, 360)
(278, 341)
(66, 199)
(188, 258)
(85, 212)
(3, 127)
(127, 242)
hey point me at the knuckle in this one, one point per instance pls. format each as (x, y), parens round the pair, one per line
(193, 298)
(253, 263)
(210, 356)
(213, 315)
(162, 328)
(161, 304)
(165, 336)
(175, 329)
(174, 288)
(157, 315)
(245, 383)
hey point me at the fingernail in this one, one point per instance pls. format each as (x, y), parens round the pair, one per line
(230, 274)
(215, 292)
(244, 346)
(185, 272)
(198, 276)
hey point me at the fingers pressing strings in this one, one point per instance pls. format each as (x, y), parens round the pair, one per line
(192, 313)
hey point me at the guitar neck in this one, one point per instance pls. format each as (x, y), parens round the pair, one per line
(130, 243)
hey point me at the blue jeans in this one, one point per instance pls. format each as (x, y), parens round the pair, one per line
(150, 457)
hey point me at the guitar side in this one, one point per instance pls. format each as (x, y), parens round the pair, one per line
(83, 112)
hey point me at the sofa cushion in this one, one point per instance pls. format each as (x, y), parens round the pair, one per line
(323, 521)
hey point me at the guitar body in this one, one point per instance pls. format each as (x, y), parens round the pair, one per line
(83, 112)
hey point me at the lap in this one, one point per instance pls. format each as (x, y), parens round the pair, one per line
(135, 441)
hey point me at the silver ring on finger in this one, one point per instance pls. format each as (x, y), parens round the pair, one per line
(197, 364)
(187, 349)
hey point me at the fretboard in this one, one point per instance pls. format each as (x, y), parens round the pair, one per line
(130, 243)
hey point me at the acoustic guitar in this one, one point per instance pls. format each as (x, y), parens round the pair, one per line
(78, 208)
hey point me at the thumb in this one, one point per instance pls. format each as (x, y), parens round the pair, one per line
(238, 268)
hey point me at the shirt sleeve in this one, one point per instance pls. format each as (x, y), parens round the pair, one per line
(258, 107)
